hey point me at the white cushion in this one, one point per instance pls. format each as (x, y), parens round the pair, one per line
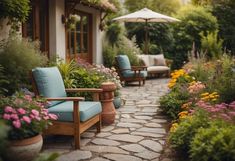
(145, 59)
(158, 69)
(160, 60)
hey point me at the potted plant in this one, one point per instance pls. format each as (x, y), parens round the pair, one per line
(27, 117)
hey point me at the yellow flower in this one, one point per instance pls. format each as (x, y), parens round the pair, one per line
(204, 94)
(174, 127)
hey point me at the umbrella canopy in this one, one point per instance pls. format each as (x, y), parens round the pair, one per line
(145, 15)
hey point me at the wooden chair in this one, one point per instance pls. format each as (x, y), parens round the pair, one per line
(130, 73)
(74, 115)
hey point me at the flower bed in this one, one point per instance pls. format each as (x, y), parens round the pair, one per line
(201, 102)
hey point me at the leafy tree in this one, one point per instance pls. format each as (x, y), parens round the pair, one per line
(224, 10)
(165, 7)
(15, 10)
(194, 20)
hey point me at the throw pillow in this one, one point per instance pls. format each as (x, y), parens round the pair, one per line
(159, 61)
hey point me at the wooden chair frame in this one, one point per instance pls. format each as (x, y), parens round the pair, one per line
(137, 70)
(75, 128)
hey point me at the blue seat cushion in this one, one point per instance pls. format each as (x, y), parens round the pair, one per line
(131, 74)
(87, 110)
(49, 83)
(123, 62)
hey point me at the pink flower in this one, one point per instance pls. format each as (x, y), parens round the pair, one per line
(38, 118)
(35, 112)
(21, 111)
(31, 116)
(17, 124)
(14, 117)
(26, 119)
(45, 117)
(53, 116)
(6, 116)
(28, 98)
(8, 109)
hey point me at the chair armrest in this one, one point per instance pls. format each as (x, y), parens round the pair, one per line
(93, 90)
(66, 99)
(138, 67)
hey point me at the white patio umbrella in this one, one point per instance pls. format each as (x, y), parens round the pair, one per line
(145, 15)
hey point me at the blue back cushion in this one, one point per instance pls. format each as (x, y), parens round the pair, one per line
(123, 62)
(49, 83)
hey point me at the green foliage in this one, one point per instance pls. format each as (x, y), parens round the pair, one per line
(113, 33)
(3, 81)
(172, 102)
(14, 10)
(109, 54)
(216, 143)
(224, 79)
(224, 10)
(211, 45)
(165, 7)
(194, 20)
(187, 129)
(129, 48)
(3, 136)
(18, 57)
(47, 157)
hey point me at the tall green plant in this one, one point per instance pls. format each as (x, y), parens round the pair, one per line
(18, 57)
(3, 81)
(211, 45)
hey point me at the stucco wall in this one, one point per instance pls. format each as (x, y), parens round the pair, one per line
(56, 29)
(4, 29)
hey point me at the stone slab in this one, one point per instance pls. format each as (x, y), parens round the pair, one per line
(121, 131)
(147, 134)
(153, 145)
(119, 157)
(75, 156)
(100, 141)
(133, 148)
(126, 138)
(153, 130)
(123, 124)
(148, 155)
(104, 149)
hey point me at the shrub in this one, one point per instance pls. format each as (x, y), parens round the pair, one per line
(187, 129)
(18, 57)
(109, 54)
(216, 143)
(211, 45)
(3, 81)
(172, 102)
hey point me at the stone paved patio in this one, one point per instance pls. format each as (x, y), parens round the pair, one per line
(138, 133)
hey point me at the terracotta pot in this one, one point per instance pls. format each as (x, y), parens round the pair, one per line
(106, 98)
(25, 150)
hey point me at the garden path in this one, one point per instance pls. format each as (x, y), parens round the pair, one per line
(139, 131)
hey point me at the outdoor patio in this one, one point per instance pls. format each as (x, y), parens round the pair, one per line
(139, 131)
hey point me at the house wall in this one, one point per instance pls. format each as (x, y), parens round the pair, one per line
(97, 36)
(56, 29)
(4, 29)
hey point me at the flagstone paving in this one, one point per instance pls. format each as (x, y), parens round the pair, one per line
(138, 134)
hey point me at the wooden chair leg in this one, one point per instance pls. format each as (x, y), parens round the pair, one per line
(98, 125)
(144, 82)
(77, 140)
(139, 82)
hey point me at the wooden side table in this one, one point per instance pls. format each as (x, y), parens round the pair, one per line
(106, 98)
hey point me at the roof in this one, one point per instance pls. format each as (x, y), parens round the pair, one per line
(103, 5)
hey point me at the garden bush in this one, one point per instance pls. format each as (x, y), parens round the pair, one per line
(216, 143)
(180, 139)
(18, 57)
(3, 81)
(211, 45)
(172, 102)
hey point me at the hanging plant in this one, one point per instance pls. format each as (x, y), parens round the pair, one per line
(72, 21)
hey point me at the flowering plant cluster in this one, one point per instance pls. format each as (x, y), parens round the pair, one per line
(25, 115)
(196, 87)
(178, 76)
(222, 111)
(209, 96)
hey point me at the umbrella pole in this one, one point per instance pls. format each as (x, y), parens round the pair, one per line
(146, 37)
